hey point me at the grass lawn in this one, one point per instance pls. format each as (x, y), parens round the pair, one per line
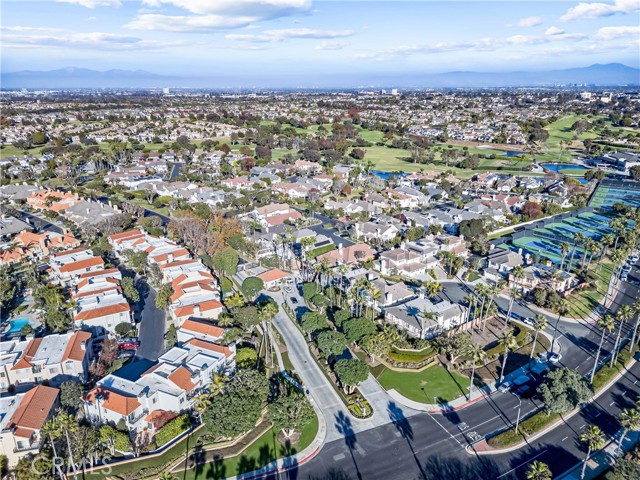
(583, 302)
(260, 453)
(10, 150)
(423, 386)
(561, 130)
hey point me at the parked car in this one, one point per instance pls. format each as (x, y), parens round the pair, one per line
(128, 343)
(294, 300)
(126, 354)
(529, 321)
(505, 386)
(633, 259)
(554, 357)
(524, 391)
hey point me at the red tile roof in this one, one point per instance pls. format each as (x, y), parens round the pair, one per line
(205, 328)
(102, 311)
(34, 408)
(113, 401)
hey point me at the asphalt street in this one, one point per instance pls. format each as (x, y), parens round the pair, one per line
(151, 329)
(410, 445)
(40, 223)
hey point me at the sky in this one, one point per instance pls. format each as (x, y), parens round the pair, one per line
(311, 37)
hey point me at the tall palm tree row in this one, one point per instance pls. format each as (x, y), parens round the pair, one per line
(594, 440)
(606, 323)
(477, 355)
(517, 273)
(623, 315)
(629, 419)
(508, 341)
(539, 324)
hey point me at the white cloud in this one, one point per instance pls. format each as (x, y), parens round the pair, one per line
(331, 45)
(216, 14)
(529, 22)
(525, 39)
(598, 9)
(609, 33)
(553, 31)
(94, 3)
(187, 23)
(287, 33)
(92, 40)
(25, 29)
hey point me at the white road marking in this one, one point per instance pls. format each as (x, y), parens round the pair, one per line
(524, 463)
(340, 456)
(564, 439)
(448, 432)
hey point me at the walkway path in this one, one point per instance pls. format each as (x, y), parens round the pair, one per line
(320, 388)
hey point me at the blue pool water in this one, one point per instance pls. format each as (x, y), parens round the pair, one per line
(511, 154)
(17, 324)
(556, 167)
(387, 175)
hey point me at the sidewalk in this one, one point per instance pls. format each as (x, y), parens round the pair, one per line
(604, 459)
(458, 403)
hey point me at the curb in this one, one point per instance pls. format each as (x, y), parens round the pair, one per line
(570, 414)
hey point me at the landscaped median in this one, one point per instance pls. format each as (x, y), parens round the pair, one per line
(537, 423)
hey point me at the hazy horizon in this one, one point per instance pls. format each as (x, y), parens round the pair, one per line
(305, 38)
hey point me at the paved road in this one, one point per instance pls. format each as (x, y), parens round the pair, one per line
(151, 328)
(315, 381)
(433, 447)
(408, 445)
(40, 222)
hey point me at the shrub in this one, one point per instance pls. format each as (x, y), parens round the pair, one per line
(122, 329)
(172, 429)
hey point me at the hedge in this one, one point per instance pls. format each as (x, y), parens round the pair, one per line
(529, 426)
(415, 356)
(122, 442)
(172, 429)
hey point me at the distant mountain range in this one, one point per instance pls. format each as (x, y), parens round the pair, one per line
(612, 74)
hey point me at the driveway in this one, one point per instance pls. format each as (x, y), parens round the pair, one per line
(152, 325)
(40, 222)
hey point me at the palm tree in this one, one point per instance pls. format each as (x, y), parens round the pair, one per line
(517, 273)
(636, 311)
(374, 295)
(52, 430)
(201, 404)
(266, 313)
(477, 354)
(562, 308)
(432, 288)
(471, 302)
(508, 341)
(623, 314)
(564, 248)
(593, 438)
(606, 324)
(539, 324)
(606, 241)
(480, 290)
(61, 424)
(629, 419)
(578, 238)
(538, 471)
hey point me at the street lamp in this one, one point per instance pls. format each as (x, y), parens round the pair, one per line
(519, 407)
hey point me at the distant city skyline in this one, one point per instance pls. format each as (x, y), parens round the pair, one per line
(306, 38)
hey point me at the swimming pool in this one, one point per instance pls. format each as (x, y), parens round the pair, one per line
(16, 325)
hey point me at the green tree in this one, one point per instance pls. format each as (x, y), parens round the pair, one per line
(137, 260)
(312, 322)
(246, 357)
(355, 329)
(538, 471)
(114, 440)
(432, 288)
(251, 287)
(625, 469)
(477, 355)
(163, 297)
(629, 420)
(455, 346)
(594, 440)
(508, 342)
(607, 324)
(248, 317)
(225, 261)
(40, 469)
(564, 389)
(71, 394)
(238, 408)
(331, 343)
(123, 329)
(351, 372)
(539, 324)
(290, 413)
(129, 290)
